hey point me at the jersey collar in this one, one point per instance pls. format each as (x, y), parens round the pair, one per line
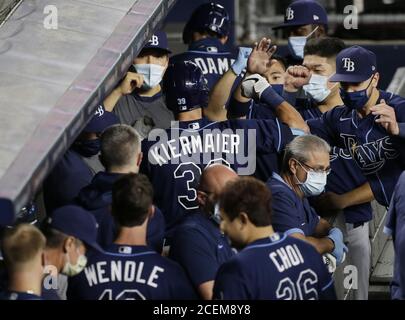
(211, 44)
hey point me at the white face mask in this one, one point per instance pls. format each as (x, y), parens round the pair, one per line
(152, 74)
(297, 44)
(71, 270)
(315, 183)
(317, 87)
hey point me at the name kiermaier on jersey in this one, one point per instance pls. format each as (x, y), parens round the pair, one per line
(204, 145)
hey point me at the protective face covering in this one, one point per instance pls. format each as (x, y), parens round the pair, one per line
(315, 183)
(88, 148)
(73, 269)
(297, 44)
(355, 100)
(317, 88)
(152, 74)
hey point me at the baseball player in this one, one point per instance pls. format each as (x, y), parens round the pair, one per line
(198, 245)
(370, 125)
(138, 100)
(23, 250)
(395, 227)
(79, 164)
(303, 174)
(120, 154)
(270, 265)
(129, 270)
(206, 34)
(304, 19)
(176, 157)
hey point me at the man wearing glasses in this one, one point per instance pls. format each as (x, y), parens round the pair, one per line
(303, 174)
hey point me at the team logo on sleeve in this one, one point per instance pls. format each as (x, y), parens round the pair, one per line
(371, 156)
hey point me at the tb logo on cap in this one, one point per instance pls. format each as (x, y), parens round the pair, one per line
(289, 14)
(99, 112)
(348, 64)
(154, 41)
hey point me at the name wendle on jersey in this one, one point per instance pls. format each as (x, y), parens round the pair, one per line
(122, 271)
(237, 147)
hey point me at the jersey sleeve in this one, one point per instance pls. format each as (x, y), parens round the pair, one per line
(237, 109)
(326, 283)
(230, 283)
(325, 127)
(191, 250)
(284, 218)
(272, 136)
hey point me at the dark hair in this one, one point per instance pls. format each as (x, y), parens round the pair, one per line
(120, 143)
(132, 197)
(281, 60)
(248, 195)
(54, 238)
(326, 47)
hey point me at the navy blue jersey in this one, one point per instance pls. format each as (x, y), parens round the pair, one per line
(130, 273)
(13, 295)
(211, 56)
(174, 158)
(275, 268)
(200, 247)
(395, 226)
(344, 177)
(380, 157)
(65, 181)
(290, 213)
(97, 198)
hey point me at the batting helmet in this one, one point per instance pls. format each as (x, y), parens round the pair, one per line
(207, 17)
(185, 87)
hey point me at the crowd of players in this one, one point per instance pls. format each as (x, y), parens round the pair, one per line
(217, 174)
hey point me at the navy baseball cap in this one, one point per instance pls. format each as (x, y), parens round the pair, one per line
(302, 12)
(101, 120)
(76, 222)
(354, 64)
(158, 41)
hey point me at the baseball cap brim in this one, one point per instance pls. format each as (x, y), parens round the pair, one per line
(286, 25)
(99, 124)
(348, 78)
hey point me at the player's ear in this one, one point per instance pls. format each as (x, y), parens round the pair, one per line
(139, 160)
(201, 198)
(151, 212)
(292, 164)
(243, 218)
(375, 80)
(68, 243)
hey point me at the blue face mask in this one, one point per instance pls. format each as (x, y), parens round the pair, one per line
(355, 100)
(88, 148)
(279, 88)
(297, 44)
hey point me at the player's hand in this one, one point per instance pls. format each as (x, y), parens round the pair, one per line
(339, 252)
(131, 81)
(260, 59)
(241, 62)
(386, 117)
(295, 77)
(253, 86)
